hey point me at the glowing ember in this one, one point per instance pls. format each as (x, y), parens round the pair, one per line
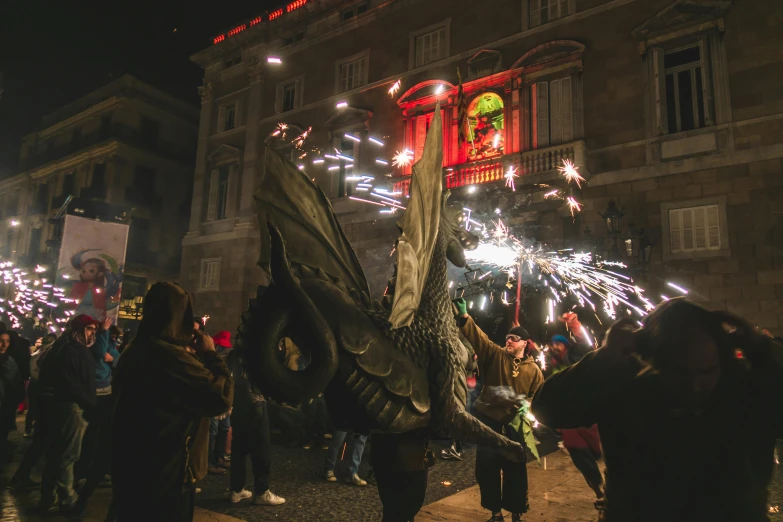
(402, 158)
(204, 319)
(299, 140)
(395, 88)
(510, 174)
(573, 205)
(570, 173)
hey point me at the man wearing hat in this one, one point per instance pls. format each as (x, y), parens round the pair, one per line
(67, 387)
(509, 373)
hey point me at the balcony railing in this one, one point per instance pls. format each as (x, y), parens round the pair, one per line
(538, 161)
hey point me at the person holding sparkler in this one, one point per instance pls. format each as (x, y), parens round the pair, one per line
(510, 375)
(688, 428)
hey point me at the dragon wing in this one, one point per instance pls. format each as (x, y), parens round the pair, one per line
(303, 215)
(419, 227)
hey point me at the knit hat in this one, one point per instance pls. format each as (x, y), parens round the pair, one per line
(561, 339)
(520, 331)
(223, 339)
(80, 322)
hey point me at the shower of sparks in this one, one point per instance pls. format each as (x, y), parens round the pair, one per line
(395, 88)
(204, 319)
(551, 194)
(510, 174)
(402, 158)
(496, 141)
(571, 173)
(677, 287)
(573, 205)
(299, 140)
(541, 358)
(280, 130)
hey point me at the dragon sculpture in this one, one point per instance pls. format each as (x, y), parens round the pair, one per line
(392, 366)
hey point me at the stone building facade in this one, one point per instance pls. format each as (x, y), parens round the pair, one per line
(127, 144)
(671, 109)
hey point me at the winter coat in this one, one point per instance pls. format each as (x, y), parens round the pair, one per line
(68, 374)
(713, 464)
(103, 370)
(11, 392)
(163, 398)
(37, 358)
(497, 371)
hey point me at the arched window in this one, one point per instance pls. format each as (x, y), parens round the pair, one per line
(485, 126)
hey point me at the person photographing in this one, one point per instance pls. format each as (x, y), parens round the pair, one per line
(510, 375)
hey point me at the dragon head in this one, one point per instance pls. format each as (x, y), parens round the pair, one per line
(457, 237)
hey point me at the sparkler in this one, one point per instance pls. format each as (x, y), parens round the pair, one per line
(551, 194)
(511, 173)
(280, 130)
(299, 140)
(402, 158)
(571, 173)
(677, 287)
(395, 88)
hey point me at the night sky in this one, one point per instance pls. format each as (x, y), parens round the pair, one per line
(52, 52)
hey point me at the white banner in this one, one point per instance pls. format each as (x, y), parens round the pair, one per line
(92, 258)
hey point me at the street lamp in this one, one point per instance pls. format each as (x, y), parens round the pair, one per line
(613, 216)
(638, 244)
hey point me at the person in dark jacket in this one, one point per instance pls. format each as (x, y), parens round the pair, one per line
(11, 392)
(688, 429)
(164, 397)
(251, 437)
(42, 346)
(67, 383)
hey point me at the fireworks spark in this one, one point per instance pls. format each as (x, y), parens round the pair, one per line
(510, 174)
(299, 140)
(402, 158)
(573, 205)
(280, 130)
(677, 287)
(395, 88)
(551, 194)
(571, 173)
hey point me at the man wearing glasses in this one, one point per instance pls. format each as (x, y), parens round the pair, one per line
(508, 373)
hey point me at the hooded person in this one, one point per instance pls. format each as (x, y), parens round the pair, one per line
(67, 393)
(164, 397)
(509, 373)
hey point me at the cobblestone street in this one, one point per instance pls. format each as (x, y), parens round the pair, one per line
(557, 493)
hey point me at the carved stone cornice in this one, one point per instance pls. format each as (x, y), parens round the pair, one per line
(206, 91)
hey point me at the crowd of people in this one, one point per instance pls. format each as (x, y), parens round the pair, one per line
(154, 415)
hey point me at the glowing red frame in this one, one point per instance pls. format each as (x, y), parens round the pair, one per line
(277, 13)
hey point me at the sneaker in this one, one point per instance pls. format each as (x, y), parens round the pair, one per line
(18, 482)
(330, 476)
(236, 496)
(356, 480)
(28, 434)
(327, 435)
(324, 446)
(516, 517)
(307, 445)
(214, 470)
(497, 517)
(268, 499)
(450, 454)
(198, 490)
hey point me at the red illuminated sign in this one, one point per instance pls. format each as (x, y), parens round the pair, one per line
(295, 5)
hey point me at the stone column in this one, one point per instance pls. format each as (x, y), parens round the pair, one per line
(199, 178)
(247, 178)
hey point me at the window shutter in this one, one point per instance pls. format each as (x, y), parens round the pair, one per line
(535, 12)
(687, 229)
(706, 81)
(556, 112)
(699, 229)
(542, 113)
(713, 228)
(213, 195)
(238, 116)
(675, 230)
(279, 99)
(221, 124)
(566, 110)
(297, 94)
(658, 78)
(421, 135)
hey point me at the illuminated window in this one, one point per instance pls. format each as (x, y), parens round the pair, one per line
(486, 117)
(551, 112)
(210, 274)
(352, 72)
(430, 44)
(544, 11)
(289, 95)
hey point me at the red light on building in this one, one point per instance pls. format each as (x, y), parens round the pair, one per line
(236, 30)
(295, 5)
(254, 21)
(275, 14)
(218, 39)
